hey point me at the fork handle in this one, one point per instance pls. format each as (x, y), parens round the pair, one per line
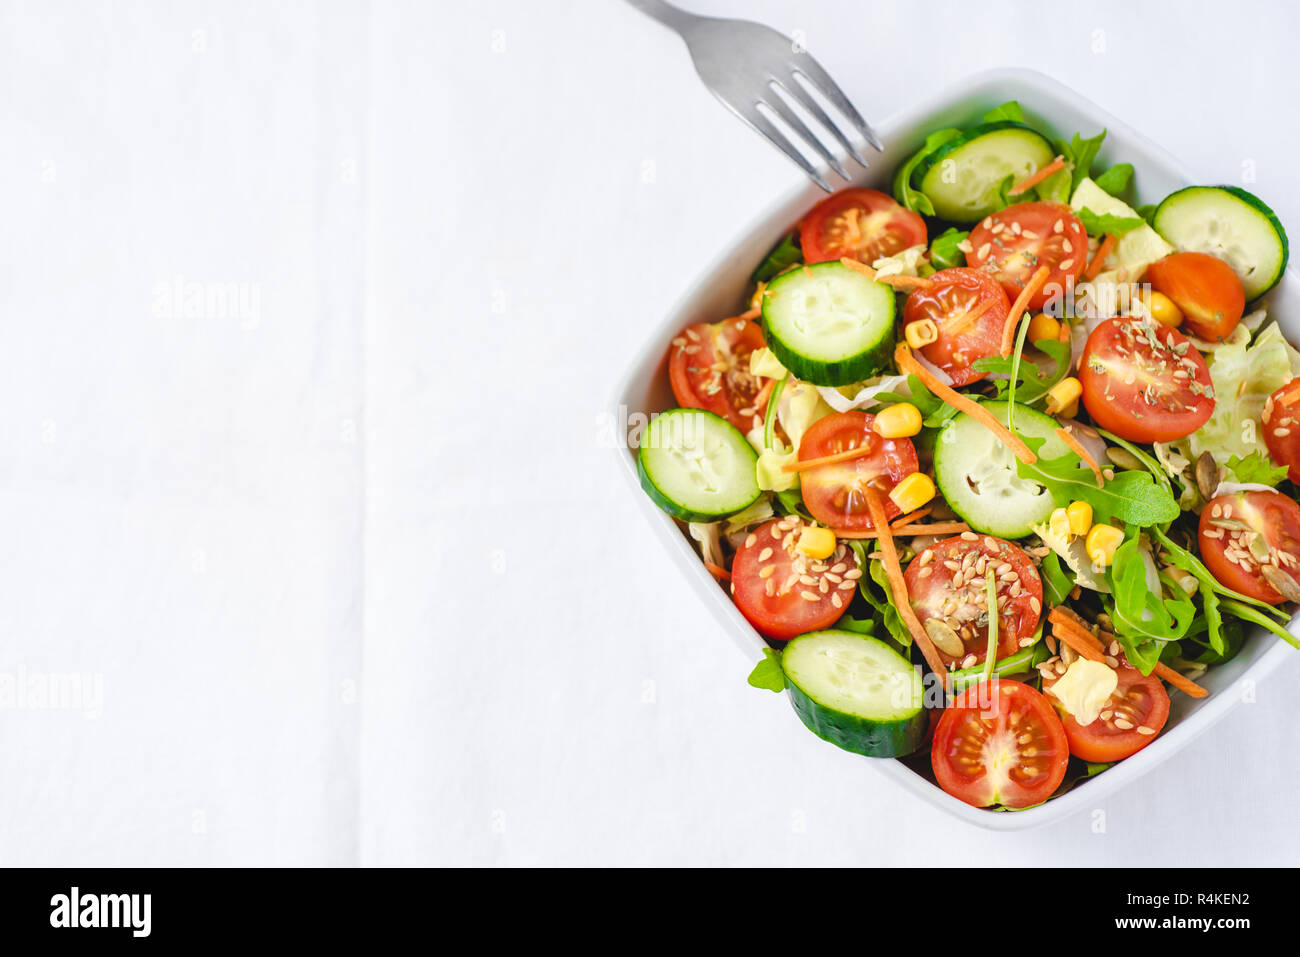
(665, 13)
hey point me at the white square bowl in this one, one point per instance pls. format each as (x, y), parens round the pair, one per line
(721, 289)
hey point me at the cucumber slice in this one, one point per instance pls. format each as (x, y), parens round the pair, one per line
(977, 473)
(856, 692)
(697, 466)
(828, 324)
(962, 177)
(1229, 223)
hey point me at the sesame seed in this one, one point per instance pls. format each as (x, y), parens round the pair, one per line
(1035, 605)
(969, 661)
(751, 540)
(835, 600)
(767, 572)
(1067, 263)
(1058, 226)
(969, 537)
(853, 573)
(765, 554)
(924, 573)
(1143, 729)
(1123, 725)
(810, 596)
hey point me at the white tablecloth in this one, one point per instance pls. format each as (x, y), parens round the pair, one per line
(309, 311)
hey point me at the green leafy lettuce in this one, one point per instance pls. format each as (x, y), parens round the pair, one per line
(767, 674)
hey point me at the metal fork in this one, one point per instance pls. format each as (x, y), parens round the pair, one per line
(748, 65)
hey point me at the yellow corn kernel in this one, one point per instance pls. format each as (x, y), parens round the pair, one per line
(1071, 411)
(1043, 326)
(1059, 524)
(816, 542)
(1080, 515)
(920, 333)
(898, 421)
(1062, 394)
(913, 492)
(1101, 543)
(1162, 308)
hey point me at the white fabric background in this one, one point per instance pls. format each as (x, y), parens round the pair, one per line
(357, 578)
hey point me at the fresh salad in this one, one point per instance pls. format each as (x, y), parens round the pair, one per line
(998, 462)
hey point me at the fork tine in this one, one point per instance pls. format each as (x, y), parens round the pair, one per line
(820, 80)
(782, 109)
(795, 91)
(762, 125)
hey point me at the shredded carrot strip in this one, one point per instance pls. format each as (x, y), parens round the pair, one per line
(1032, 180)
(1077, 448)
(1071, 629)
(902, 282)
(1063, 334)
(898, 585)
(1181, 682)
(907, 363)
(749, 314)
(1035, 283)
(906, 531)
(765, 393)
(718, 572)
(1100, 256)
(846, 456)
(913, 516)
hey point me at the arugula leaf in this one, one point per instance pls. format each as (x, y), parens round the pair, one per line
(1031, 383)
(1132, 498)
(1148, 461)
(767, 674)
(785, 255)
(1108, 223)
(1247, 613)
(1080, 153)
(1009, 110)
(1257, 467)
(914, 199)
(934, 411)
(1116, 179)
(1181, 558)
(1056, 583)
(944, 253)
(790, 502)
(859, 626)
(1213, 619)
(1141, 614)
(874, 587)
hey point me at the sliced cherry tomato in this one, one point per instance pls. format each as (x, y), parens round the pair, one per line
(769, 581)
(1012, 243)
(1281, 427)
(1205, 288)
(833, 493)
(1139, 701)
(1145, 382)
(946, 583)
(1250, 541)
(1000, 742)
(970, 310)
(861, 224)
(708, 369)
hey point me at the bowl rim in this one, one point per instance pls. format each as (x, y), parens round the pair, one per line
(1007, 80)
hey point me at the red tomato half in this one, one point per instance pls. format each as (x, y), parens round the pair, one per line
(833, 493)
(1145, 382)
(970, 309)
(1205, 288)
(1000, 742)
(1141, 705)
(1012, 243)
(861, 224)
(770, 586)
(1282, 428)
(708, 369)
(1250, 541)
(946, 582)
